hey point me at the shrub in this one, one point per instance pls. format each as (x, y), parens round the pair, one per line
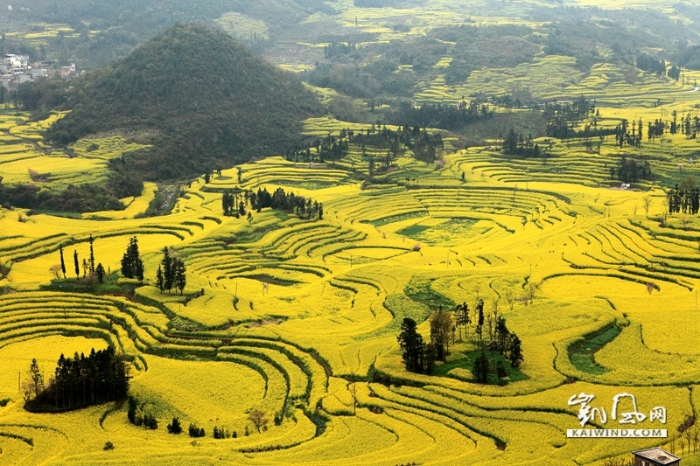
(108, 446)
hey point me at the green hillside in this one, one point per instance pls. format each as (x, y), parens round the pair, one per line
(202, 99)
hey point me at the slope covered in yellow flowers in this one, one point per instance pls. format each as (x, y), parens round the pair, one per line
(299, 317)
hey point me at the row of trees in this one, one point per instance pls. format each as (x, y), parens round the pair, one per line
(77, 382)
(141, 417)
(90, 271)
(171, 272)
(685, 200)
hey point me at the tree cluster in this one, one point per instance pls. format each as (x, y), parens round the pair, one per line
(171, 273)
(648, 63)
(79, 381)
(286, 201)
(561, 118)
(328, 148)
(232, 205)
(419, 356)
(631, 171)
(424, 144)
(450, 117)
(515, 144)
(338, 48)
(501, 340)
(132, 265)
(42, 94)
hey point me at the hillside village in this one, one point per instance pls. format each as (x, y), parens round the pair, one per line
(16, 70)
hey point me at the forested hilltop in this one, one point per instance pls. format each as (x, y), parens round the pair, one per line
(203, 100)
(107, 30)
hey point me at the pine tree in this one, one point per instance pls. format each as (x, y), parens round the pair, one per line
(515, 355)
(159, 279)
(37, 378)
(132, 265)
(168, 270)
(63, 264)
(76, 263)
(138, 268)
(100, 271)
(179, 280)
(501, 372)
(481, 368)
(411, 343)
(92, 255)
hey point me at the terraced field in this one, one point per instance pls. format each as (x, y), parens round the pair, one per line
(299, 317)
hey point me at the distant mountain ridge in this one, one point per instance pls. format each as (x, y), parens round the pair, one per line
(203, 100)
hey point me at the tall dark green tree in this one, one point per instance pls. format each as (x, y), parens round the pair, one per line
(36, 378)
(502, 334)
(63, 263)
(429, 357)
(441, 324)
(227, 203)
(92, 255)
(411, 343)
(160, 283)
(481, 368)
(515, 355)
(179, 280)
(100, 272)
(76, 263)
(462, 317)
(168, 270)
(480, 322)
(501, 372)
